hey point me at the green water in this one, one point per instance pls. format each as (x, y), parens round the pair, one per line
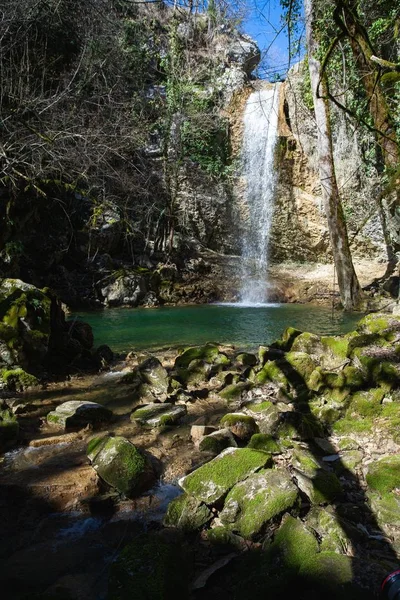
(125, 329)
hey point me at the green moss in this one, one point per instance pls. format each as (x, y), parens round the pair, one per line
(328, 571)
(208, 353)
(348, 461)
(187, 513)
(223, 536)
(147, 568)
(18, 379)
(327, 525)
(272, 372)
(384, 475)
(213, 480)
(264, 442)
(286, 341)
(302, 363)
(320, 485)
(234, 391)
(231, 419)
(293, 547)
(251, 504)
(120, 464)
(381, 324)
(338, 345)
(348, 425)
(260, 408)
(94, 446)
(245, 359)
(216, 442)
(366, 403)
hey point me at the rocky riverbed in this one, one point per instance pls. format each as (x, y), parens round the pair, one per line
(209, 473)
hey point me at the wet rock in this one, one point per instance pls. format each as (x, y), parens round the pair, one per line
(211, 482)
(195, 374)
(159, 415)
(217, 441)
(187, 513)
(241, 425)
(313, 478)
(120, 464)
(82, 332)
(251, 504)
(76, 413)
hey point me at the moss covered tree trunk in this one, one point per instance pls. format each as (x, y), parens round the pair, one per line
(350, 291)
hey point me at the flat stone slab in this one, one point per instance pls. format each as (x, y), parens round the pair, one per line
(76, 413)
(212, 481)
(253, 502)
(159, 415)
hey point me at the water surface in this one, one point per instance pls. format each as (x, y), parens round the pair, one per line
(125, 329)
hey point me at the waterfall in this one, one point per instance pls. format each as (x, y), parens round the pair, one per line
(257, 160)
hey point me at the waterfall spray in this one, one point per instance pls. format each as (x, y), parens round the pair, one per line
(257, 157)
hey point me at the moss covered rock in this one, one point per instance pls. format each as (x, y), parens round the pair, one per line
(235, 393)
(120, 464)
(266, 443)
(155, 375)
(245, 359)
(159, 415)
(293, 547)
(382, 324)
(187, 513)
(17, 380)
(207, 353)
(251, 504)
(241, 425)
(147, 568)
(212, 481)
(313, 478)
(76, 413)
(326, 523)
(287, 339)
(217, 441)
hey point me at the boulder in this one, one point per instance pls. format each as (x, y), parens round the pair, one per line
(266, 443)
(197, 432)
(241, 425)
(207, 353)
(155, 375)
(217, 441)
(128, 289)
(77, 413)
(187, 513)
(383, 479)
(252, 503)
(313, 477)
(212, 481)
(120, 464)
(159, 415)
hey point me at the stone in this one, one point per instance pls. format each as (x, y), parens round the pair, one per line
(252, 503)
(77, 413)
(241, 425)
(212, 481)
(235, 393)
(120, 464)
(151, 566)
(217, 441)
(159, 415)
(155, 375)
(265, 442)
(127, 289)
(207, 353)
(320, 485)
(187, 513)
(199, 431)
(326, 523)
(245, 359)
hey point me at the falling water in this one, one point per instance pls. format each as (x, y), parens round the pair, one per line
(259, 138)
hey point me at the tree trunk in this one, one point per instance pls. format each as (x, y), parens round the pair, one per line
(350, 291)
(369, 67)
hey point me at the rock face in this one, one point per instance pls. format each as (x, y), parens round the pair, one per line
(299, 230)
(120, 464)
